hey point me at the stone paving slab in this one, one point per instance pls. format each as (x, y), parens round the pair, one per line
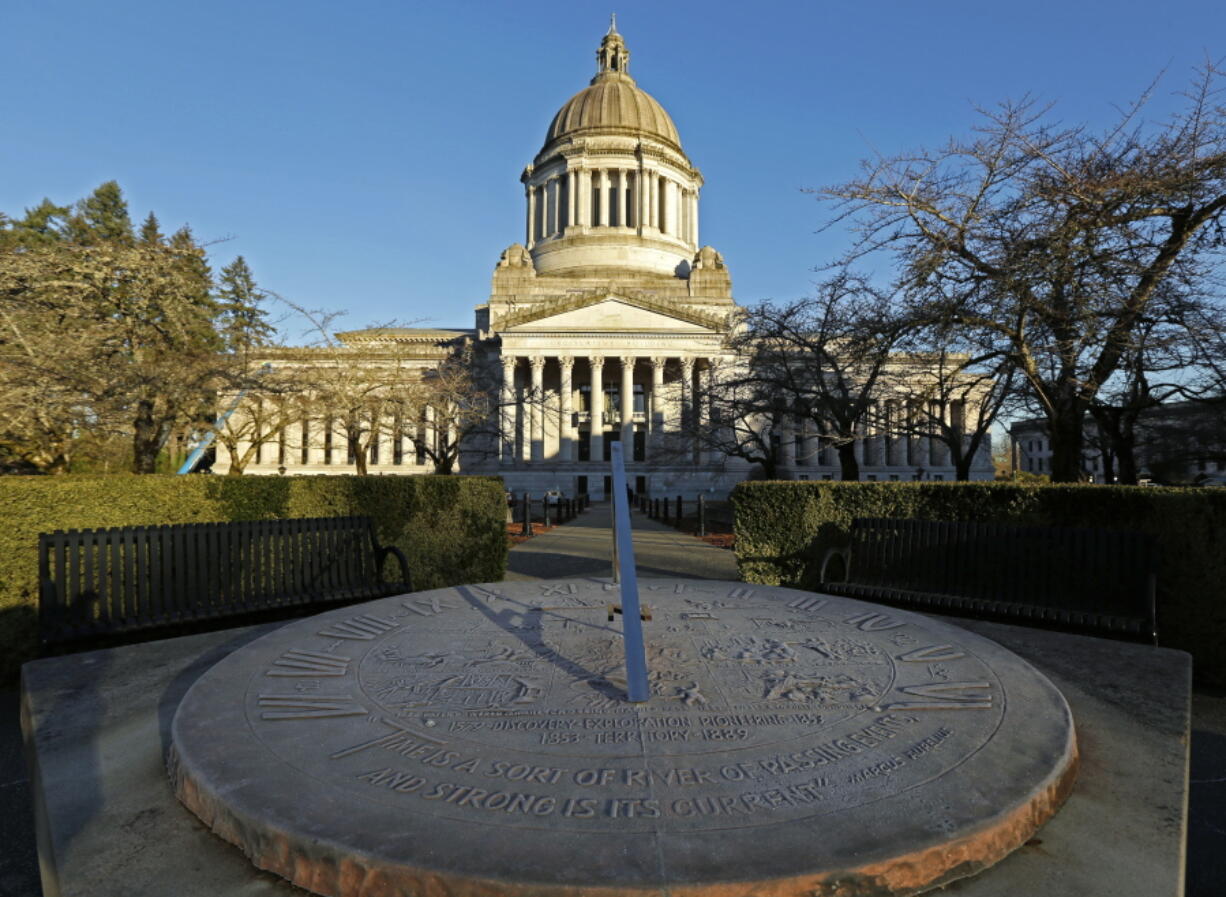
(98, 724)
(583, 547)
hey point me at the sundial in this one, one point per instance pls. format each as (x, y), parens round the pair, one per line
(480, 740)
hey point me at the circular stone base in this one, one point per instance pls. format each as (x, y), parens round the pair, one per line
(477, 741)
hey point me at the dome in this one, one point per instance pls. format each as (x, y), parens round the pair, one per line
(613, 102)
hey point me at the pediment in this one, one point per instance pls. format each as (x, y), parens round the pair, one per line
(609, 313)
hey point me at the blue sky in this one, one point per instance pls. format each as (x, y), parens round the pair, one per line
(365, 156)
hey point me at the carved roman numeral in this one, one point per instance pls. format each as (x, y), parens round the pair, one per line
(308, 706)
(874, 622)
(297, 662)
(945, 696)
(427, 607)
(363, 627)
(808, 603)
(932, 654)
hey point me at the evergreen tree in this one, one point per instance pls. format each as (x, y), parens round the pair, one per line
(243, 323)
(150, 232)
(102, 216)
(43, 224)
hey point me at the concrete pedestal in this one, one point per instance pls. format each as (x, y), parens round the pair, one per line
(98, 724)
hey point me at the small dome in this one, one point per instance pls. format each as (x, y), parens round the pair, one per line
(613, 102)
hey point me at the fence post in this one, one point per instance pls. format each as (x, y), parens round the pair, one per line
(527, 504)
(545, 510)
(702, 516)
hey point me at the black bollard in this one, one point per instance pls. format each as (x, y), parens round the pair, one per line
(702, 516)
(527, 529)
(665, 517)
(545, 510)
(677, 522)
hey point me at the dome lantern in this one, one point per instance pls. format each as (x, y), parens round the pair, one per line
(612, 57)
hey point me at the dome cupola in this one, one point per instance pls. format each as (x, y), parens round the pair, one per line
(611, 187)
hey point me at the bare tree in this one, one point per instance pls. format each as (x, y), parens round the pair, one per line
(953, 394)
(1057, 239)
(823, 359)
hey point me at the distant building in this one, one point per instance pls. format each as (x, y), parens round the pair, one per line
(1177, 443)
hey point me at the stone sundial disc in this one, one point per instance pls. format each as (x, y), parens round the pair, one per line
(476, 741)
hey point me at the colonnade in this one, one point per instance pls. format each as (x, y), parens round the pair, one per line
(886, 438)
(321, 442)
(562, 417)
(611, 197)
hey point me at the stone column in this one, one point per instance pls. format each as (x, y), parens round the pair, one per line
(429, 437)
(667, 225)
(808, 446)
(683, 216)
(315, 441)
(622, 193)
(649, 197)
(787, 443)
(604, 197)
(628, 406)
(687, 404)
(538, 411)
(584, 199)
(565, 410)
(694, 218)
(531, 238)
(632, 197)
(556, 205)
(571, 183)
(705, 454)
(640, 199)
(657, 404)
(597, 413)
(507, 411)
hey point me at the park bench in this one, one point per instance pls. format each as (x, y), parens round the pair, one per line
(105, 582)
(1089, 580)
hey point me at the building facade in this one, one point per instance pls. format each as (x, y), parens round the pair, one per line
(607, 322)
(1178, 443)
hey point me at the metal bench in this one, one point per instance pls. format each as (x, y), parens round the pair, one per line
(1089, 580)
(106, 582)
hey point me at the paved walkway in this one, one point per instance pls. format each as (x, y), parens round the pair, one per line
(584, 547)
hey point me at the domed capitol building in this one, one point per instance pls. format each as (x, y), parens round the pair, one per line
(606, 323)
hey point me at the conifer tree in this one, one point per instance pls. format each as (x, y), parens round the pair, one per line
(150, 232)
(243, 322)
(43, 224)
(102, 216)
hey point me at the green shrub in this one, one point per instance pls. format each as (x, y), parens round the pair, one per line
(783, 529)
(452, 529)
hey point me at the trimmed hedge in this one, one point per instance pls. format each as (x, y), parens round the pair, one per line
(783, 529)
(452, 529)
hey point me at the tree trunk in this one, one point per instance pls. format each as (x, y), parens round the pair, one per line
(1108, 457)
(1064, 426)
(359, 455)
(146, 439)
(1128, 458)
(848, 465)
(962, 466)
(1126, 447)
